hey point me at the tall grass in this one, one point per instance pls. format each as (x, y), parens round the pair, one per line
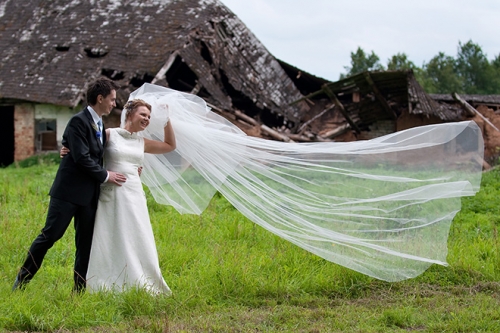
(230, 275)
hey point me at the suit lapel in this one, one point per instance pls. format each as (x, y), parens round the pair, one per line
(104, 138)
(94, 131)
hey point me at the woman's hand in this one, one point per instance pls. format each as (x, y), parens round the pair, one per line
(64, 151)
(161, 147)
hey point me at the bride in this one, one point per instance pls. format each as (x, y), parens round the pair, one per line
(123, 253)
(382, 207)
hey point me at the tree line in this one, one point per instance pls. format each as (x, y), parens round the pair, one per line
(469, 72)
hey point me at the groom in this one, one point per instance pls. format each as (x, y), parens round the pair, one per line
(75, 191)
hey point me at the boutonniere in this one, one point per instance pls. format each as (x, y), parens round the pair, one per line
(98, 133)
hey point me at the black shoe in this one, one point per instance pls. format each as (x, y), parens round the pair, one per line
(19, 285)
(78, 289)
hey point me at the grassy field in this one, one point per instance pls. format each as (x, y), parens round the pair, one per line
(229, 275)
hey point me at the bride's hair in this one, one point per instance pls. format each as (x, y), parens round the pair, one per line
(132, 105)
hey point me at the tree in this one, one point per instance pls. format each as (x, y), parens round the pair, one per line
(440, 75)
(361, 62)
(495, 65)
(400, 61)
(474, 69)
(469, 73)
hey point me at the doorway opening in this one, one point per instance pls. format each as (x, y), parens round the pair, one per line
(7, 135)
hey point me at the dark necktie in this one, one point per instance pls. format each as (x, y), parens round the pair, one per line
(99, 125)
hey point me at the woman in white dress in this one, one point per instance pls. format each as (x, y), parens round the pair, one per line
(124, 254)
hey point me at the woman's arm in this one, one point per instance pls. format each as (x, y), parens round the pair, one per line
(107, 135)
(159, 147)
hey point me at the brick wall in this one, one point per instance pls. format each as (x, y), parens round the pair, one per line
(407, 120)
(24, 131)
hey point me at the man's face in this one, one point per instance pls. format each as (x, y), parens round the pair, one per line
(106, 104)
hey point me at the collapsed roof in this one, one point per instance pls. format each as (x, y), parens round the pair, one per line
(52, 50)
(491, 101)
(368, 97)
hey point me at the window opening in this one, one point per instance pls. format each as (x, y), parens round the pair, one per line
(46, 135)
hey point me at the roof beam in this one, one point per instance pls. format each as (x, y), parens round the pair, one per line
(161, 73)
(335, 100)
(303, 126)
(379, 96)
(335, 132)
(311, 95)
(471, 111)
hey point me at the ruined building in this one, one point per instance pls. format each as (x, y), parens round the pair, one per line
(51, 50)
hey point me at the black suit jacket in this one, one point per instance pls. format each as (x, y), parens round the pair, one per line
(81, 171)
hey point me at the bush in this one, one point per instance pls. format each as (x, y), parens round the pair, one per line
(39, 159)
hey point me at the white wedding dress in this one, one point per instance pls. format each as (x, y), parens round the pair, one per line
(123, 254)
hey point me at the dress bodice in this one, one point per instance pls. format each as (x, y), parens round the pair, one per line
(124, 152)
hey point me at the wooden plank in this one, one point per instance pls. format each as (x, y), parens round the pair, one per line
(161, 73)
(246, 118)
(471, 111)
(379, 96)
(196, 88)
(303, 126)
(311, 95)
(275, 134)
(335, 132)
(335, 100)
(298, 137)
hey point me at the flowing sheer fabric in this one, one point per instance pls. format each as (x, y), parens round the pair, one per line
(382, 207)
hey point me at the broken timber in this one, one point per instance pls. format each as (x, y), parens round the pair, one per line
(264, 128)
(334, 99)
(379, 96)
(161, 73)
(249, 120)
(471, 111)
(303, 127)
(337, 131)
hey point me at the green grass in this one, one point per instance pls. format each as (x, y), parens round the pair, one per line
(230, 275)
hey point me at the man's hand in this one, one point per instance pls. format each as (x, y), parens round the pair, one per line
(64, 151)
(116, 178)
(139, 171)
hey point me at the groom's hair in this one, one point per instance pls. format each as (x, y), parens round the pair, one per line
(102, 86)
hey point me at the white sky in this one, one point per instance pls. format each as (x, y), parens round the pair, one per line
(318, 36)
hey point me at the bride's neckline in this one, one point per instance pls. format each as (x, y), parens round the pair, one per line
(123, 131)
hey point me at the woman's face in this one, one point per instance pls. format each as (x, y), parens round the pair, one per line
(139, 119)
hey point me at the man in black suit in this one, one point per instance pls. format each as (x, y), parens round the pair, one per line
(75, 191)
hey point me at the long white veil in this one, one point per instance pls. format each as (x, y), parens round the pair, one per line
(381, 207)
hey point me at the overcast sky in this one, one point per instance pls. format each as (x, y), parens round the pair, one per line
(318, 36)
